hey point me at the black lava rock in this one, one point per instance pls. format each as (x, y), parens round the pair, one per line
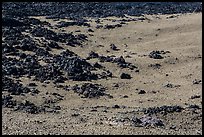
(142, 91)
(194, 106)
(48, 72)
(113, 47)
(125, 76)
(112, 26)
(123, 64)
(147, 120)
(136, 121)
(195, 96)
(197, 81)
(8, 102)
(105, 59)
(97, 65)
(32, 85)
(11, 22)
(89, 90)
(155, 55)
(103, 9)
(15, 88)
(53, 44)
(77, 23)
(28, 44)
(155, 66)
(105, 74)
(92, 55)
(163, 109)
(90, 30)
(115, 106)
(28, 107)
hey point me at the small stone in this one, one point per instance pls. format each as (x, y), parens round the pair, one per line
(32, 85)
(125, 96)
(116, 85)
(142, 91)
(155, 55)
(197, 81)
(137, 70)
(75, 114)
(113, 47)
(90, 30)
(195, 96)
(115, 106)
(172, 127)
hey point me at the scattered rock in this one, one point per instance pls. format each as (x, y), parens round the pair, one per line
(163, 109)
(197, 81)
(195, 96)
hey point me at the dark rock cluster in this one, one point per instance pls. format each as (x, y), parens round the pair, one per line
(112, 26)
(15, 88)
(89, 90)
(68, 38)
(120, 61)
(197, 81)
(75, 67)
(157, 54)
(76, 10)
(7, 101)
(146, 121)
(77, 22)
(163, 109)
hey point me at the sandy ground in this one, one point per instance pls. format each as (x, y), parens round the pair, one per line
(181, 35)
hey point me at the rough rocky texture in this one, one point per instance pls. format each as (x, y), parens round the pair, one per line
(163, 109)
(76, 10)
(89, 90)
(45, 66)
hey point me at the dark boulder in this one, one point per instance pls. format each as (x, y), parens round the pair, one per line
(125, 76)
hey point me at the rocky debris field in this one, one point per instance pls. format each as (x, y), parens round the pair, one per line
(76, 10)
(95, 65)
